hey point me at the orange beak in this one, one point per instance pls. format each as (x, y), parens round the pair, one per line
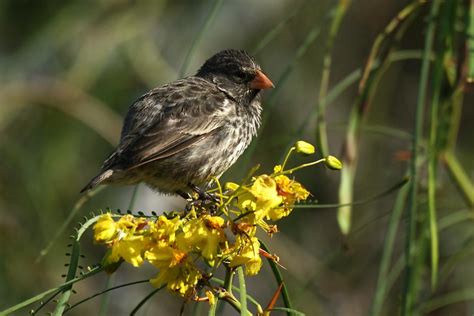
(261, 81)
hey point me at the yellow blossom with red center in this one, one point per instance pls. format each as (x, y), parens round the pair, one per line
(165, 229)
(291, 192)
(164, 255)
(259, 198)
(213, 233)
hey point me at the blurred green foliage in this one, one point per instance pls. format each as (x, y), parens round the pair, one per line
(69, 70)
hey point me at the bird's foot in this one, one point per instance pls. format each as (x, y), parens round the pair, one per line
(203, 195)
(185, 195)
(204, 200)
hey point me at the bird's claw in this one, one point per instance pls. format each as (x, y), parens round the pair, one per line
(204, 199)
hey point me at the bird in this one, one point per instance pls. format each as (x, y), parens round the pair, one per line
(177, 137)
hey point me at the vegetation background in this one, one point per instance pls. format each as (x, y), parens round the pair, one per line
(70, 69)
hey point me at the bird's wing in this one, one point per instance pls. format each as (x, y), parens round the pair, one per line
(169, 119)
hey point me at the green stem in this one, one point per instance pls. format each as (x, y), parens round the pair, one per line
(213, 308)
(105, 291)
(339, 13)
(243, 291)
(229, 276)
(228, 285)
(73, 265)
(66, 292)
(433, 161)
(470, 43)
(278, 278)
(229, 298)
(235, 288)
(404, 14)
(376, 197)
(348, 81)
(77, 206)
(390, 238)
(447, 299)
(410, 291)
(305, 165)
(359, 111)
(460, 177)
(42, 295)
(283, 165)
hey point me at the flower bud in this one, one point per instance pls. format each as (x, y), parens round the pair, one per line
(333, 163)
(231, 186)
(304, 147)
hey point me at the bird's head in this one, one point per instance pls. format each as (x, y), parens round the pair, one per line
(236, 73)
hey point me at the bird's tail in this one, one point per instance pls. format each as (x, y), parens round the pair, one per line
(98, 180)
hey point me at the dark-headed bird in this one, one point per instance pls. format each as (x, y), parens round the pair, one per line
(179, 136)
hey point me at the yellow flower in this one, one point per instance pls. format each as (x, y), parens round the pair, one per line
(181, 279)
(204, 234)
(129, 249)
(277, 169)
(165, 229)
(253, 266)
(291, 190)
(211, 297)
(105, 229)
(260, 197)
(246, 252)
(126, 237)
(304, 147)
(128, 226)
(278, 213)
(163, 256)
(266, 196)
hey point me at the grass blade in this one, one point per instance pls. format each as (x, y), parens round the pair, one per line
(104, 291)
(410, 290)
(339, 13)
(50, 291)
(360, 109)
(461, 179)
(447, 299)
(389, 244)
(470, 43)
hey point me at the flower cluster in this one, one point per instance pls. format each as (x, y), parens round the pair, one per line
(208, 232)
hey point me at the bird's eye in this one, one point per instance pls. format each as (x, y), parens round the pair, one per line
(241, 76)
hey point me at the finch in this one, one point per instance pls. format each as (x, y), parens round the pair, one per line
(179, 136)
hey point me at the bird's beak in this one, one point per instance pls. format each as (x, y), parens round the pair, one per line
(261, 81)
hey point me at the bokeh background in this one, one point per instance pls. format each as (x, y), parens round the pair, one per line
(70, 69)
